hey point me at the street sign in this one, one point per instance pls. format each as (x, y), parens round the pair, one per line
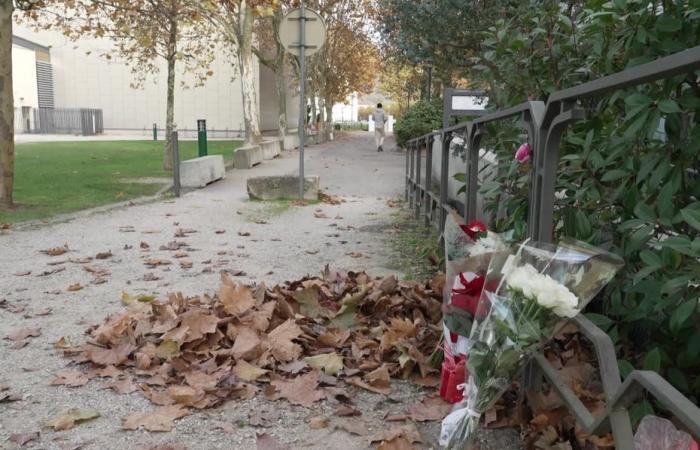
(302, 33)
(290, 34)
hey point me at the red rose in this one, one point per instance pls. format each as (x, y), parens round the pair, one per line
(474, 229)
(466, 296)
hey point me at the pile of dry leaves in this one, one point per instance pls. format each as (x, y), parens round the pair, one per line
(295, 341)
(545, 421)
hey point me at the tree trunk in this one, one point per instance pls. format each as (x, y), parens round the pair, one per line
(281, 82)
(249, 91)
(170, 109)
(7, 116)
(280, 79)
(329, 118)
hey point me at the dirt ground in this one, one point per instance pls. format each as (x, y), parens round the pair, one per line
(219, 230)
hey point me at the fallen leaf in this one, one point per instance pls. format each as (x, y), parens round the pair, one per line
(352, 425)
(46, 273)
(220, 231)
(330, 363)
(55, 251)
(356, 381)
(104, 255)
(316, 423)
(185, 264)
(247, 371)
(236, 298)
(293, 367)
(243, 233)
(22, 438)
(23, 333)
(23, 273)
(320, 215)
(124, 386)
(354, 254)
(379, 378)
(397, 443)
(312, 252)
(159, 420)
(62, 343)
(347, 411)
(431, 408)
(74, 287)
(267, 442)
(302, 390)
(280, 341)
(68, 419)
(155, 262)
(72, 378)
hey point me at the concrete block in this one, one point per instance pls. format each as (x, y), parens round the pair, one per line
(199, 172)
(247, 156)
(282, 187)
(270, 148)
(291, 141)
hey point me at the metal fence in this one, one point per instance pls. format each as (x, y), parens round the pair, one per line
(79, 121)
(545, 123)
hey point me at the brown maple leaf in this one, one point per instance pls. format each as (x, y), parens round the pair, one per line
(23, 333)
(72, 378)
(236, 298)
(301, 390)
(159, 420)
(431, 408)
(280, 341)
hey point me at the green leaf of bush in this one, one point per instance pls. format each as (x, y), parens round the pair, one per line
(652, 360)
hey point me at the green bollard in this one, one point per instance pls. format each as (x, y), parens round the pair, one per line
(202, 137)
(155, 132)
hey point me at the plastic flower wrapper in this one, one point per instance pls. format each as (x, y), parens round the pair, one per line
(536, 290)
(468, 250)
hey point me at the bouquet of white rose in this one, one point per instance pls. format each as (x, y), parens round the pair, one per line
(528, 295)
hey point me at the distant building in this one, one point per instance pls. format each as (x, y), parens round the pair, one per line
(51, 71)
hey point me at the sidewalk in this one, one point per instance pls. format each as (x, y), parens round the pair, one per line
(284, 242)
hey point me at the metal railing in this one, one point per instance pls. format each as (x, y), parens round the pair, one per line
(82, 121)
(545, 123)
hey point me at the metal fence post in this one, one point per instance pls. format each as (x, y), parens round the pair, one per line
(444, 177)
(176, 164)
(407, 179)
(411, 185)
(428, 210)
(418, 191)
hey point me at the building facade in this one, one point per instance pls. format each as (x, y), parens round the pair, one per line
(51, 71)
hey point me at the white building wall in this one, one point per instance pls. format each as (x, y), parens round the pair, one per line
(83, 80)
(24, 86)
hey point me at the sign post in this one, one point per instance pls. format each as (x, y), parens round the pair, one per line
(202, 137)
(302, 33)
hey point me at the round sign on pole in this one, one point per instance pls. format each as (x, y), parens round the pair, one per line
(290, 33)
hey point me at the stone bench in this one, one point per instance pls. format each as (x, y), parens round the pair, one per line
(247, 156)
(199, 172)
(282, 187)
(270, 148)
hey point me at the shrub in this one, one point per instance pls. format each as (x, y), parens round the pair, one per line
(628, 178)
(420, 119)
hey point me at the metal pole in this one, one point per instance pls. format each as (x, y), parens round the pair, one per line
(430, 82)
(302, 100)
(176, 164)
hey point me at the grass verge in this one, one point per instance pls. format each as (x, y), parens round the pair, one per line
(414, 247)
(60, 177)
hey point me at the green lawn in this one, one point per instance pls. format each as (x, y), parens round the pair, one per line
(60, 177)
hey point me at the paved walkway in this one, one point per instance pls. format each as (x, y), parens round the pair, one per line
(284, 242)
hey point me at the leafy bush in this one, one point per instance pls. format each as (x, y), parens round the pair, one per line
(629, 175)
(421, 118)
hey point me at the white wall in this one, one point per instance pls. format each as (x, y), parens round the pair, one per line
(348, 111)
(91, 81)
(24, 86)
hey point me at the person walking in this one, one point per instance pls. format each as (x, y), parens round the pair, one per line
(379, 120)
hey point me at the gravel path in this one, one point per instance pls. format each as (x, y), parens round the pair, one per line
(284, 242)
